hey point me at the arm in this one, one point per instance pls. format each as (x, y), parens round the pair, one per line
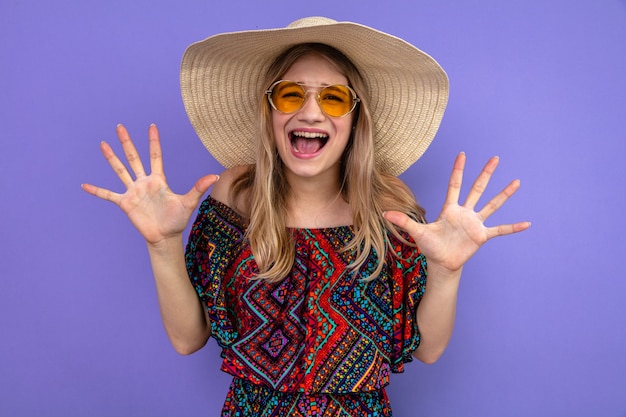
(448, 243)
(436, 313)
(184, 317)
(161, 217)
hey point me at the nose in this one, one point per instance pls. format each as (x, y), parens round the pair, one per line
(311, 110)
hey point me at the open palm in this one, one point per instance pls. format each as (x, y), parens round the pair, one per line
(459, 231)
(149, 203)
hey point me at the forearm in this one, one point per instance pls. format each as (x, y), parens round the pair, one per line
(183, 316)
(436, 313)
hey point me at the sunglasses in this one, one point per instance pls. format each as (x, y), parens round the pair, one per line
(335, 100)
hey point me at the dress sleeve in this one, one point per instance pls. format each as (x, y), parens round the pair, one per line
(409, 277)
(212, 246)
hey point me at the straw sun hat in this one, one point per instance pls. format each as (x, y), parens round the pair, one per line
(221, 76)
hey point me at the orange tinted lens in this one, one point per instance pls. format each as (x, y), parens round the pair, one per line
(336, 100)
(287, 96)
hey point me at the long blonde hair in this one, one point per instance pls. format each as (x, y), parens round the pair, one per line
(368, 191)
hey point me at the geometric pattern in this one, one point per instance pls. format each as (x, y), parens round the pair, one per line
(243, 400)
(276, 343)
(321, 341)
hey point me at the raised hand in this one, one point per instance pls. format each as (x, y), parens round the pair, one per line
(459, 231)
(152, 207)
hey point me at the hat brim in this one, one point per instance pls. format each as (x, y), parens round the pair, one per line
(221, 76)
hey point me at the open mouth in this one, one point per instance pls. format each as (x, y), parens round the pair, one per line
(307, 142)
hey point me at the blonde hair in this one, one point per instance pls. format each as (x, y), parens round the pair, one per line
(368, 191)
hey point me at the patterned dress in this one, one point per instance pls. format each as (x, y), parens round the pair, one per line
(321, 342)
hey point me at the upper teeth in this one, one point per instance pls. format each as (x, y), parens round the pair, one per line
(310, 135)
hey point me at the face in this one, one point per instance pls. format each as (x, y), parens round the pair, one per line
(309, 142)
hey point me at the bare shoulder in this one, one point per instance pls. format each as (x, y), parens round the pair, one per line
(221, 190)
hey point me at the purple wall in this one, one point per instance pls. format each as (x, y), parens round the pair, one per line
(541, 316)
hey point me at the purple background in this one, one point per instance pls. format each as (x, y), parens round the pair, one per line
(541, 327)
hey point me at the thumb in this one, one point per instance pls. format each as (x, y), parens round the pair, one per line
(200, 187)
(404, 222)
(398, 218)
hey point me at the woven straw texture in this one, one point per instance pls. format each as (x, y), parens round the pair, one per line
(221, 75)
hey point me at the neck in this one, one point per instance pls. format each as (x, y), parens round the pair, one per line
(317, 203)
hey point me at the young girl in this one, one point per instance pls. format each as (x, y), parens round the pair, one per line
(310, 263)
